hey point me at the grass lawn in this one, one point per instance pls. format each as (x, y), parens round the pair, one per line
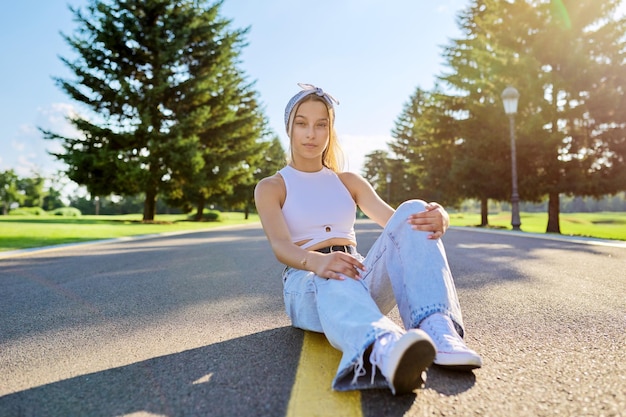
(603, 225)
(21, 232)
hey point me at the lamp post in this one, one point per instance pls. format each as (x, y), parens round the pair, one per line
(388, 178)
(509, 98)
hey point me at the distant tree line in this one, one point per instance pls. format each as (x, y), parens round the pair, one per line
(38, 192)
(568, 61)
(569, 204)
(16, 191)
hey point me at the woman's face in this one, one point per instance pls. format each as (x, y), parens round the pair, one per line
(310, 133)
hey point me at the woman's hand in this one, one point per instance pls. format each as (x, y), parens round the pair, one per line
(434, 219)
(338, 265)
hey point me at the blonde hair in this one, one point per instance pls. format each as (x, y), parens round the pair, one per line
(333, 157)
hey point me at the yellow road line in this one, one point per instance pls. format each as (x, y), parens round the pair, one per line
(311, 394)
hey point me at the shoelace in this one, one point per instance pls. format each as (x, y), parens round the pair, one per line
(374, 360)
(359, 370)
(379, 351)
(446, 338)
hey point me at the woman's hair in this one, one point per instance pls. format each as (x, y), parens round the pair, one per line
(333, 156)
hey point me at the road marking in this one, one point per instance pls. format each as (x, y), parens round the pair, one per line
(312, 395)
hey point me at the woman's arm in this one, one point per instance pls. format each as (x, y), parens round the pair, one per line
(269, 195)
(434, 219)
(366, 198)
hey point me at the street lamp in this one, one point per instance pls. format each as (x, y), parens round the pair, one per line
(388, 178)
(509, 99)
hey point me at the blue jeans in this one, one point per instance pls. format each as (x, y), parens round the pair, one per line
(403, 268)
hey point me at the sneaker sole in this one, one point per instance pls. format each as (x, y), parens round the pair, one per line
(464, 363)
(416, 353)
(459, 368)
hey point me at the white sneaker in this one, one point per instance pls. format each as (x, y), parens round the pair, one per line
(402, 359)
(452, 352)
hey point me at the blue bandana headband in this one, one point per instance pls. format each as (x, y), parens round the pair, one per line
(307, 89)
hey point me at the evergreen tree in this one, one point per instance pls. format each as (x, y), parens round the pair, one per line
(266, 162)
(474, 67)
(567, 59)
(580, 57)
(425, 135)
(230, 146)
(153, 75)
(375, 170)
(408, 144)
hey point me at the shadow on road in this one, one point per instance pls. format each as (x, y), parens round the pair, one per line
(247, 376)
(134, 282)
(376, 403)
(239, 377)
(500, 258)
(487, 259)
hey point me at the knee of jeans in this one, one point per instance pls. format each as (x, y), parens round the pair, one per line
(410, 207)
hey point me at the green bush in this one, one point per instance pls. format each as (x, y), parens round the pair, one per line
(67, 212)
(208, 216)
(28, 211)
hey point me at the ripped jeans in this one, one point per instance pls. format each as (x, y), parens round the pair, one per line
(403, 268)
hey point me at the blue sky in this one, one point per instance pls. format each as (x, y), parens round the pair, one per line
(371, 55)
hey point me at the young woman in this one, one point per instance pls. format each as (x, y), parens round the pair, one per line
(308, 210)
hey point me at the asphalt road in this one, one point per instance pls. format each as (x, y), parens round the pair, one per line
(193, 325)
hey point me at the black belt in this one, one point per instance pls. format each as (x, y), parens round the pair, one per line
(343, 248)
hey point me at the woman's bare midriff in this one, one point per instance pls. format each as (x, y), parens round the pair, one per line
(328, 242)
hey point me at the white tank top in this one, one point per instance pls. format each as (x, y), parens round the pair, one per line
(317, 206)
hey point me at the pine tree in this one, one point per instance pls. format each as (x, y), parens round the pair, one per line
(230, 145)
(152, 75)
(580, 58)
(389, 177)
(269, 158)
(566, 58)
(424, 135)
(480, 67)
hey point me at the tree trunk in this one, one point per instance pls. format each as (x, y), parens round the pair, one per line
(553, 213)
(200, 209)
(484, 212)
(149, 205)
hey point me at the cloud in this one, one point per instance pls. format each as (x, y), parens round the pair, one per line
(27, 129)
(28, 150)
(26, 165)
(54, 118)
(24, 132)
(17, 146)
(356, 147)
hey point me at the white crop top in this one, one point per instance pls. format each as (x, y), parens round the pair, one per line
(317, 206)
